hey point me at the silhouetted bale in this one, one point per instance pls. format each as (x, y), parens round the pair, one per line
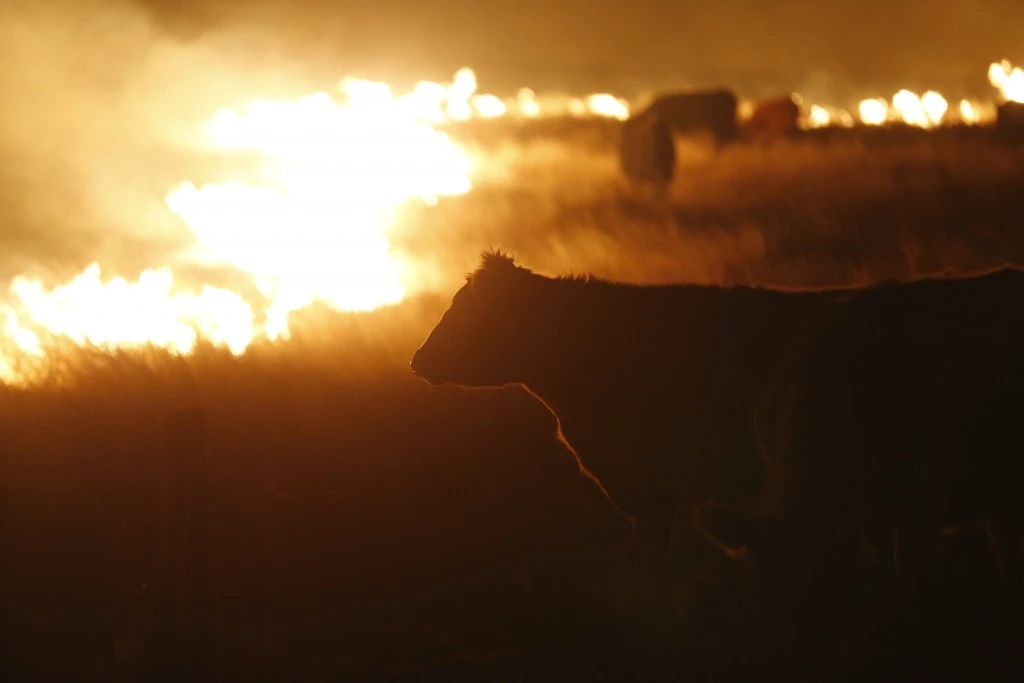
(773, 119)
(712, 111)
(653, 386)
(895, 414)
(1010, 117)
(647, 151)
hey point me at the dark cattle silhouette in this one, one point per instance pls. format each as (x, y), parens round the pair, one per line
(653, 386)
(713, 111)
(773, 119)
(1010, 116)
(647, 151)
(895, 415)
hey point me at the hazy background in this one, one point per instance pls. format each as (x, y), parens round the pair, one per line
(612, 43)
(104, 97)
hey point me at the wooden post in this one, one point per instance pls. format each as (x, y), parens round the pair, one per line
(182, 628)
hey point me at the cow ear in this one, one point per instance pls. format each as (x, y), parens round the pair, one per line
(731, 532)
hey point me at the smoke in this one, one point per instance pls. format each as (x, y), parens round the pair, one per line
(102, 116)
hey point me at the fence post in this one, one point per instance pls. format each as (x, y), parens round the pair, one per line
(182, 628)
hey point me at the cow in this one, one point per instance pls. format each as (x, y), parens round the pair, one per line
(773, 119)
(712, 111)
(653, 387)
(647, 151)
(891, 418)
(647, 148)
(1010, 117)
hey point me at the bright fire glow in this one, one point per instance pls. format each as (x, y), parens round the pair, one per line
(923, 111)
(819, 117)
(489, 106)
(1008, 79)
(935, 106)
(528, 105)
(969, 113)
(332, 175)
(603, 104)
(119, 313)
(909, 108)
(874, 112)
(316, 232)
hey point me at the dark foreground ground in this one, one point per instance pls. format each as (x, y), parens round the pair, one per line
(340, 521)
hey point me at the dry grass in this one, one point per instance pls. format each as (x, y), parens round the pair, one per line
(365, 526)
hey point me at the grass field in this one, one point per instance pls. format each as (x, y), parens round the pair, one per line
(361, 526)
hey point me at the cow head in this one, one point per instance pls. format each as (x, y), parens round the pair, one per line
(488, 335)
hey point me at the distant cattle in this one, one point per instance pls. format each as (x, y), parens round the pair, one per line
(712, 111)
(646, 151)
(1010, 116)
(773, 119)
(894, 415)
(654, 387)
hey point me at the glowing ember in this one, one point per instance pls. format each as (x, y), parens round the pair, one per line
(1008, 79)
(489, 106)
(910, 109)
(935, 107)
(819, 117)
(459, 94)
(528, 105)
(603, 104)
(874, 112)
(969, 113)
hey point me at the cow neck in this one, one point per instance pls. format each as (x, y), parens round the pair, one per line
(604, 338)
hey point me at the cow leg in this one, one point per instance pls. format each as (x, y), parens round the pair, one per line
(652, 535)
(1004, 537)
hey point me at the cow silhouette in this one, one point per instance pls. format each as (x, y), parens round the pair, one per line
(892, 416)
(654, 387)
(773, 119)
(647, 152)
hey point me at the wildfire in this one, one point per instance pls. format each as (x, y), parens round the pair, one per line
(970, 113)
(336, 172)
(874, 112)
(819, 117)
(1008, 79)
(603, 104)
(333, 172)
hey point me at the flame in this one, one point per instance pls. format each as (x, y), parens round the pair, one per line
(528, 105)
(333, 174)
(316, 232)
(118, 313)
(489, 106)
(604, 104)
(924, 111)
(819, 117)
(874, 112)
(909, 108)
(459, 94)
(969, 113)
(935, 106)
(1008, 79)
